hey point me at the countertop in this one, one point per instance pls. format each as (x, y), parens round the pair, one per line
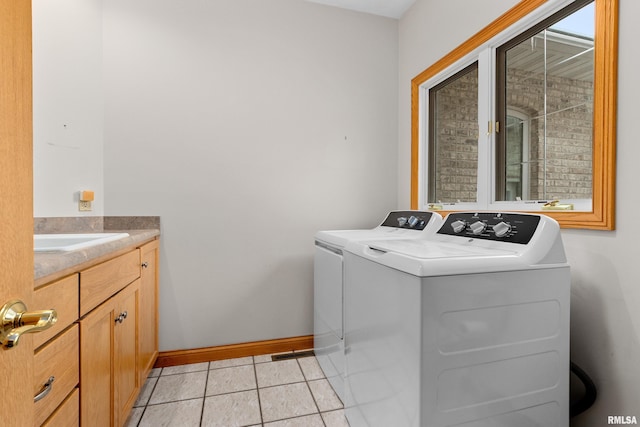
(49, 266)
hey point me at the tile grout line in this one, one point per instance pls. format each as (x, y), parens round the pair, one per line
(204, 393)
(306, 379)
(178, 401)
(255, 375)
(146, 404)
(315, 402)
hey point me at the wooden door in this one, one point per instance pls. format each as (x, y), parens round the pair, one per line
(16, 202)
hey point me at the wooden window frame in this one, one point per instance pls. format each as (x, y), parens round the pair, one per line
(602, 214)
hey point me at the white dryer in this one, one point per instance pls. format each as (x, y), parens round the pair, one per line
(469, 328)
(328, 280)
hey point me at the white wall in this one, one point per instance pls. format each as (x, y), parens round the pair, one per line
(67, 105)
(605, 320)
(247, 126)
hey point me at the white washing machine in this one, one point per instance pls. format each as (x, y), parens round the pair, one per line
(328, 280)
(469, 328)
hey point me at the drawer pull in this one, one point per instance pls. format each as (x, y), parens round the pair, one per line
(46, 388)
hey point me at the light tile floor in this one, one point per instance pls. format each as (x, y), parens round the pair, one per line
(248, 391)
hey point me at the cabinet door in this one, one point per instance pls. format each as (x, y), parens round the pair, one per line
(96, 351)
(126, 325)
(149, 255)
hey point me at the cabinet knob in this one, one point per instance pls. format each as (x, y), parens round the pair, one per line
(121, 317)
(145, 264)
(15, 320)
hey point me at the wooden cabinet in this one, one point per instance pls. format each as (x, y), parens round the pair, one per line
(63, 296)
(96, 352)
(110, 382)
(127, 331)
(56, 355)
(148, 341)
(103, 280)
(56, 373)
(67, 414)
(104, 344)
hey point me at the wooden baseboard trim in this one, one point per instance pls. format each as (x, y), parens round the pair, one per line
(198, 355)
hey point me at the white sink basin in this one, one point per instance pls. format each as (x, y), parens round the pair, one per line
(72, 242)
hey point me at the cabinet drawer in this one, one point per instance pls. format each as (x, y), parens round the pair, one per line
(67, 414)
(99, 283)
(61, 295)
(58, 358)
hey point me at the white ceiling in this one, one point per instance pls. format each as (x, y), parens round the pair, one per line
(388, 8)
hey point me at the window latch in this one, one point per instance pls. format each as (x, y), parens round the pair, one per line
(490, 127)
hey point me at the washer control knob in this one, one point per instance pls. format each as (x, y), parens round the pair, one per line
(478, 227)
(402, 221)
(501, 229)
(458, 226)
(413, 221)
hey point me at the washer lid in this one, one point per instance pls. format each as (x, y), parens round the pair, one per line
(437, 259)
(429, 250)
(456, 252)
(340, 238)
(427, 258)
(396, 225)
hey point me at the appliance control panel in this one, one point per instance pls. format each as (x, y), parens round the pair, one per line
(504, 227)
(413, 220)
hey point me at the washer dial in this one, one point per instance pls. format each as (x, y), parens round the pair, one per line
(458, 226)
(478, 227)
(501, 229)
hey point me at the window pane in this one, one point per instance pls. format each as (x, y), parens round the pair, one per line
(548, 79)
(517, 157)
(453, 138)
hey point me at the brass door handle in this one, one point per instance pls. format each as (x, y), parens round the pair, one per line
(15, 320)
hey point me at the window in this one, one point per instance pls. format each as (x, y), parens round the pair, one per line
(541, 125)
(547, 71)
(453, 137)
